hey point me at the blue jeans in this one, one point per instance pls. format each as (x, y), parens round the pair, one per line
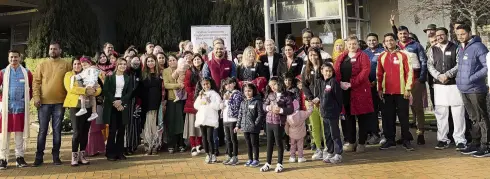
(45, 113)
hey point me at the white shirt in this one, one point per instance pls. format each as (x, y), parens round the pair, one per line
(119, 85)
(270, 60)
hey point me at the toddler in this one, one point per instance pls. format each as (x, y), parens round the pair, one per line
(89, 77)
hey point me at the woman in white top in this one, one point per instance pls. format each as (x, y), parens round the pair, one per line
(117, 96)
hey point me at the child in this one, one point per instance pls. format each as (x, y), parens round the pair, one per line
(330, 109)
(290, 81)
(89, 79)
(278, 104)
(232, 97)
(179, 74)
(296, 129)
(250, 121)
(207, 104)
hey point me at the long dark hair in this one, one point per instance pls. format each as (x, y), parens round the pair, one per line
(227, 81)
(290, 76)
(252, 87)
(199, 87)
(280, 84)
(196, 73)
(99, 55)
(309, 65)
(146, 71)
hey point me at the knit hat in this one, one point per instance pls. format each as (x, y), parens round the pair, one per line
(85, 59)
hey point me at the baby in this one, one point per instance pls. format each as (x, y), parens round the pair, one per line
(89, 78)
(179, 75)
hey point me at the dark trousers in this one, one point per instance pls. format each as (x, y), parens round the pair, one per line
(80, 127)
(274, 134)
(208, 139)
(252, 140)
(45, 113)
(349, 125)
(476, 105)
(374, 129)
(332, 135)
(395, 105)
(176, 141)
(231, 139)
(115, 140)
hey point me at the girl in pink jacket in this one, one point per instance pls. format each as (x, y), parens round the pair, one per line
(296, 129)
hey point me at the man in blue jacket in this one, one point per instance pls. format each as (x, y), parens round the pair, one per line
(373, 51)
(418, 61)
(471, 81)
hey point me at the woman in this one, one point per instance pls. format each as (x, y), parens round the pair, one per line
(98, 131)
(247, 70)
(352, 70)
(113, 57)
(162, 61)
(162, 64)
(133, 129)
(192, 77)
(291, 64)
(150, 90)
(338, 48)
(174, 114)
(79, 123)
(117, 96)
(312, 93)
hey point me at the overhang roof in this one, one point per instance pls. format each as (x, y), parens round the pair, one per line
(21, 3)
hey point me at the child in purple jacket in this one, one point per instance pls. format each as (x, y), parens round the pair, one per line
(232, 98)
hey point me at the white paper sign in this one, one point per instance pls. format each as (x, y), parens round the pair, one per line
(207, 34)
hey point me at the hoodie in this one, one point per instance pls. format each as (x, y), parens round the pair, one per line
(472, 67)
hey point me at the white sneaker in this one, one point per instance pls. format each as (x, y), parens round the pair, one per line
(92, 117)
(301, 160)
(81, 112)
(279, 168)
(207, 159)
(382, 141)
(349, 147)
(265, 168)
(292, 159)
(325, 152)
(336, 159)
(318, 155)
(213, 158)
(327, 158)
(200, 149)
(194, 152)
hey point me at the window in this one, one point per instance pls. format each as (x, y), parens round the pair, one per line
(324, 8)
(362, 9)
(290, 9)
(350, 6)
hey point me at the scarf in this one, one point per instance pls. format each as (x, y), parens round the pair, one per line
(5, 97)
(336, 53)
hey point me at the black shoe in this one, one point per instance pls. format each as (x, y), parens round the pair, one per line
(288, 147)
(399, 142)
(408, 146)
(57, 161)
(420, 140)
(21, 163)
(442, 145)
(37, 162)
(121, 157)
(483, 152)
(470, 150)
(216, 152)
(387, 145)
(182, 149)
(3, 164)
(460, 147)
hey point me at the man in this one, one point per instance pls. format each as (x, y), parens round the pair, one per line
(471, 81)
(149, 50)
(48, 96)
(215, 42)
(218, 68)
(418, 62)
(394, 77)
(259, 46)
(373, 51)
(290, 40)
(108, 48)
(269, 62)
(443, 66)
(16, 94)
(431, 32)
(303, 51)
(317, 42)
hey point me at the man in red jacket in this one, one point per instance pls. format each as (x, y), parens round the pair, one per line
(395, 77)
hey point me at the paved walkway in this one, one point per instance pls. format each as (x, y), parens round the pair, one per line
(424, 162)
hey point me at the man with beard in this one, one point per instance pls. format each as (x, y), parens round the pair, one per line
(218, 68)
(303, 51)
(108, 48)
(149, 50)
(48, 96)
(259, 46)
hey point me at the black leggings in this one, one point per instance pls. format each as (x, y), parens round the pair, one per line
(275, 132)
(252, 140)
(208, 139)
(80, 129)
(231, 139)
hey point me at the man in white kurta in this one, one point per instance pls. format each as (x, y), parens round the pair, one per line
(443, 66)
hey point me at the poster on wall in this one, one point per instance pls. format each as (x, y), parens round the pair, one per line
(204, 36)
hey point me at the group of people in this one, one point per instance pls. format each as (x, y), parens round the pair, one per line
(198, 101)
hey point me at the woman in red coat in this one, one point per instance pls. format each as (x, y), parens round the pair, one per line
(352, 70)
(192, 77)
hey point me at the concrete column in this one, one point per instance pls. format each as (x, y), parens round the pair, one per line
(267, 24)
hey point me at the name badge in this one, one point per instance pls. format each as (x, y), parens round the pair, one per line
(266, 64)
(396, 62)
(377, 54)
(328, 88)
(465, 57)
(252, 69)
(312, 72)
(294, 64)
(447, 53)
(227, 68)
(251, 106)
(22, 80)
(353, 60)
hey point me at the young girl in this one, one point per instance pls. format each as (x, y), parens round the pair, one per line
(330, 108)
(207, 104)
(232, 97)
(296, 129)
(290, 83)
(278, 104)
(250, 121)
